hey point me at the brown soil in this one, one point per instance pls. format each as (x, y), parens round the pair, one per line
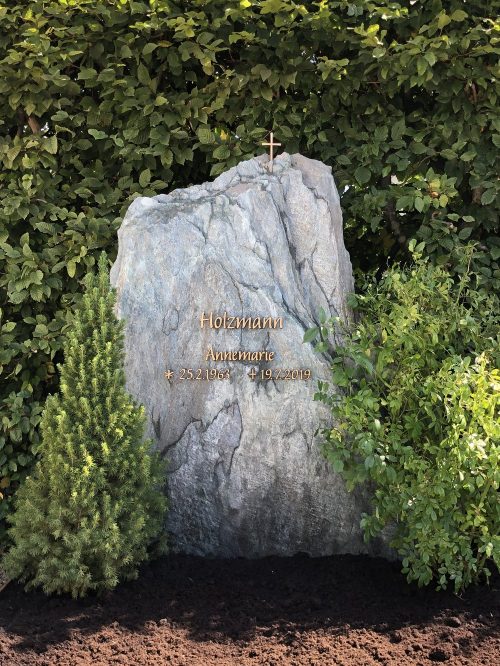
(192, 612)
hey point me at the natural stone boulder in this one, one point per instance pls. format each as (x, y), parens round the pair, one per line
(246, 477)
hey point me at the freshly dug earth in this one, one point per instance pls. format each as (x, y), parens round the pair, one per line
(192, 612)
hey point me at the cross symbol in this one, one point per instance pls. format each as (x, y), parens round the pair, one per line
(271, 145)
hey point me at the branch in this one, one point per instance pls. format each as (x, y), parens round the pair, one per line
(392, 217)
(34, 124)
(21, 122)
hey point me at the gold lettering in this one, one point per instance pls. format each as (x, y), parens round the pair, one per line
(239, 355)
(204, 319)
(231, 322)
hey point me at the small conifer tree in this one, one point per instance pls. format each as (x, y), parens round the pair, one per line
(85, 518)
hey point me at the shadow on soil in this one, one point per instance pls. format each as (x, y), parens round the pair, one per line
(234, 600)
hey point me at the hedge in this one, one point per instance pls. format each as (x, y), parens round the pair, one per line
(102, 101)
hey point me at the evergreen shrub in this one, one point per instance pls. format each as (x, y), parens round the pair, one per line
(85, 517)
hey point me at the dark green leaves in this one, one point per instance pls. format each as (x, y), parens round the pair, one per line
(100, 102)
(362, 175)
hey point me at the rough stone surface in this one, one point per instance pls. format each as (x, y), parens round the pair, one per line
(246, 477)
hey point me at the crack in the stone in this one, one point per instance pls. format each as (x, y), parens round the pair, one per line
(298, 429)
(203, 429)
(156, 424)
(235, 285)
(235, 448)
(167, 448)
(170, 329)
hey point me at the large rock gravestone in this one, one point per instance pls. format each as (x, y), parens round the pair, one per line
(217, 284)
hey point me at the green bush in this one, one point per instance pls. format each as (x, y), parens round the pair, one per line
(417, 414)
(86, 516)
(101, 101)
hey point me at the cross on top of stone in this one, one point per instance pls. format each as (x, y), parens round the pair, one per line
(271, 145)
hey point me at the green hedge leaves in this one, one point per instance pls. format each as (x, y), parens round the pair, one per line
(103, 101)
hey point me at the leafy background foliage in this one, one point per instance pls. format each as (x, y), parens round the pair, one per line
(102, 101)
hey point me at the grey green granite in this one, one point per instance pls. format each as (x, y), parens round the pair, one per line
(246, 477)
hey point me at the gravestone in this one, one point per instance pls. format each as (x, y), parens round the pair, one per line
(217, 284)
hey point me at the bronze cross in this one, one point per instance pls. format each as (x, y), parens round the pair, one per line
(271, 145)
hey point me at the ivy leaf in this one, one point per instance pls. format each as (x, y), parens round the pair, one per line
(267, 94)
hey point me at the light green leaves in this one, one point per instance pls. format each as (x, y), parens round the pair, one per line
(417, 416)
(459, 15)
(205, 135)
(443, 20)
(71, 268)
(419, 204)
(87, 74)
(40, 330)
(149, 48)
(468, 155)
(145, 177)
(311, 334)
(50, 144)
(489, 196)
(221, 153)
(91, 373)
(97, 134)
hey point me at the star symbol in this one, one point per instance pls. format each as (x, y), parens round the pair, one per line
(169, 375)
